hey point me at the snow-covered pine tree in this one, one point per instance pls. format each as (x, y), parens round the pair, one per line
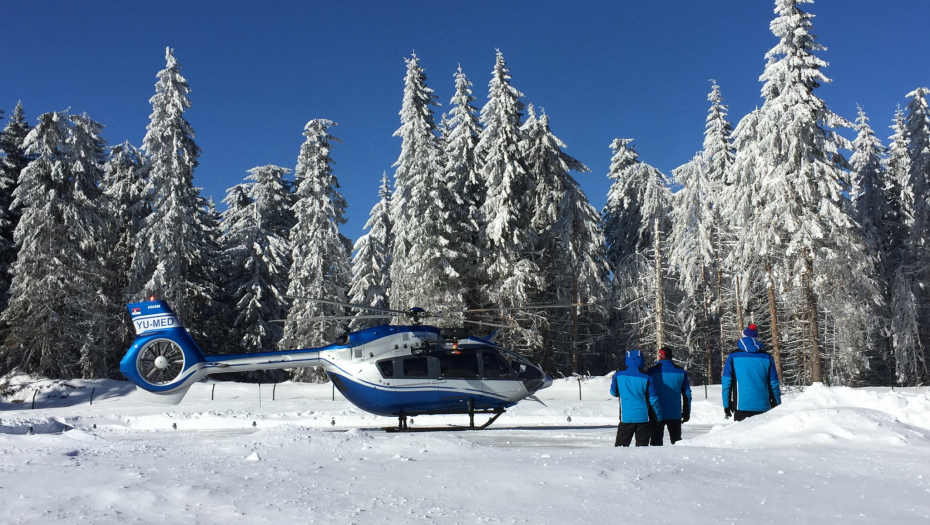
(56, 311)
(423, 262)
(461, 175)
(124, 184)
(635, 215)
(257, 255)
(873, 200)
(320, 267)
(911, 357)
(12, 163)
(806, 215)
(697, 239)
(175, 248)
(899, 266)
(508, 263)
(371, 262)
(570, 242)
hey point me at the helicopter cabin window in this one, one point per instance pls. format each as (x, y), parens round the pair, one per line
(462, 365)
(386, 367)
(495, 367)
(416, 367)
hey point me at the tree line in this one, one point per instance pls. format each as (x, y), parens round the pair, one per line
(483, 221)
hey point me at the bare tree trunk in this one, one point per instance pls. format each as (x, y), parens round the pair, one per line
(720, 318)
(776, 346)
(660, 295)
(816, 360)
(708, 351)
(739, 306)
(575, 367)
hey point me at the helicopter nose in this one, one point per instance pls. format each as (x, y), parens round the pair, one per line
(547, 382)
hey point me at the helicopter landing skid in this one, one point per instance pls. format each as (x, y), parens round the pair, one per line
(402, 423)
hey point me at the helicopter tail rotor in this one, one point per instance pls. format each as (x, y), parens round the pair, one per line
(163, 361)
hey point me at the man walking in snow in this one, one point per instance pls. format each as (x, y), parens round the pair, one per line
(750, 382)
(674, 397)
(639, 401)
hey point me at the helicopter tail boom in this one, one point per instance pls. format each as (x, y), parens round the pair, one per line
(164, 361)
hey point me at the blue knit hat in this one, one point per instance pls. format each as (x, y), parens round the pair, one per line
(751, 331)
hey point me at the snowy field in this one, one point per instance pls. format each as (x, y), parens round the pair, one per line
(828, 455)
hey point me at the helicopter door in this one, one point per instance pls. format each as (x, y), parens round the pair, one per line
(459, 379)
(499, 377)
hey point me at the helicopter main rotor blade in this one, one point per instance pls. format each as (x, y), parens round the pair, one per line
(343, 317)
(348, 305)
(482, 323)
(530, 307)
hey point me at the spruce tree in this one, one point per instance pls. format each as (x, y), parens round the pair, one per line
(464, 182)
(570, 245)
(320, 267)
(806, 215)
(424, 260)
(176, 245)
(635, 217)
(256, 257)
(12, 163)
(698, 238)
(124, 184)
(371, 262)
(511, 275)
(57, 310)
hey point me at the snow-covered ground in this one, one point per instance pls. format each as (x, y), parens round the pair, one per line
(828, 455)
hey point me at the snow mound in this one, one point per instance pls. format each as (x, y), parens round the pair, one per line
(840, 415)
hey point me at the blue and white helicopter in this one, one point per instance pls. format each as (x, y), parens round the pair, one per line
(388, 370)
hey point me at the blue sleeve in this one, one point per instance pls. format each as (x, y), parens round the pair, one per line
(773, 380)
(654, 398)
(613, 385)
(686, 388)
(726, 379)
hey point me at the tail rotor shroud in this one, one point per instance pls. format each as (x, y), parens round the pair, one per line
(160, 361)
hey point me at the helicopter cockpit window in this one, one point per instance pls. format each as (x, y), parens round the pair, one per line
(386, 367)
(495, 367)
(416, 367)
(460, 365)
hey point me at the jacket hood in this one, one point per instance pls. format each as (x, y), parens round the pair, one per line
(749, 344)
(634, 359)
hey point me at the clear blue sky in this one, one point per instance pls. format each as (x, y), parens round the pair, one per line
(260, 70)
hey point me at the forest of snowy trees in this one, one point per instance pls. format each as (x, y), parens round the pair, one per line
(821, 241)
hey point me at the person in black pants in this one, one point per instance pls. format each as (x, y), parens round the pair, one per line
(674, 396)
(639, 401)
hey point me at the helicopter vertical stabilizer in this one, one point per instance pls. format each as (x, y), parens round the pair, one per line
(163, 361)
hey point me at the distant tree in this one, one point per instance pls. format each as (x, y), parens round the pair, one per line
(176, 247)
(876, 208)
(698, 238)
(56, 311)
(635, 217)
(371, 263)
(257, 257)
(320, 267)
(12, 163)
(913, 302)
(124, 184)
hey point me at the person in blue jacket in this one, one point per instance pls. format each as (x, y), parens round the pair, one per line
(674, 397)
(639, 401)
(750, 382)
